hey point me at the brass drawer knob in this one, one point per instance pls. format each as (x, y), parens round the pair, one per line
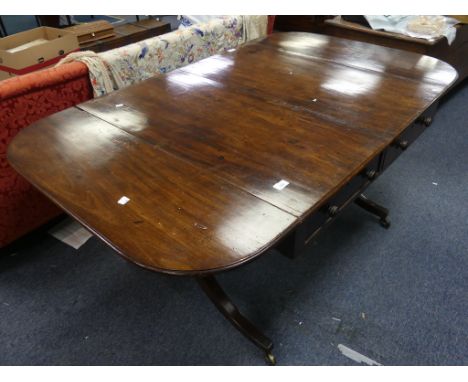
(402, 144)
(371, 174)
(332, 211)
(425, 120)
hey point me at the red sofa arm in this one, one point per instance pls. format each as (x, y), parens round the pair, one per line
(24, 100)
(50, 77)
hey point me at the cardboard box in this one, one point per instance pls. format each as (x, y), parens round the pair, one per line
(34, 49)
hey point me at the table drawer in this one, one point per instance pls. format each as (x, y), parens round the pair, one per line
(406, 138)
(303, 234)
(293, 244)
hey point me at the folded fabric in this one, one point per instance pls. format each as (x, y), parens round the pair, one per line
(104, 79)
(425, 27)
(254, 27)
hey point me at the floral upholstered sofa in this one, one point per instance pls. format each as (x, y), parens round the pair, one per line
(27, 98)
(136, 62)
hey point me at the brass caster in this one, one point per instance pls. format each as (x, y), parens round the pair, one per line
(384, 222)
(270, 358)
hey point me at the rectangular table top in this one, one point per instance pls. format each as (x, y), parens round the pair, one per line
(220, 159)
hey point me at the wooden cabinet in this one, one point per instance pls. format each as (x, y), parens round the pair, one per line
(129, 33)
(455, 54)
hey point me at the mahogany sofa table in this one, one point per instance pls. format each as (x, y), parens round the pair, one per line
(210, 166)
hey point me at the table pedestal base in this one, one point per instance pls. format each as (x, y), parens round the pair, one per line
(375, 209)
(219, 298)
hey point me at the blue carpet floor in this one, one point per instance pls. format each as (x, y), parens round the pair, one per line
(397, 296)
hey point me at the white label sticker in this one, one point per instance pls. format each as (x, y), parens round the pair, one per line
(123, 200)
(281, 184)
(119, 105)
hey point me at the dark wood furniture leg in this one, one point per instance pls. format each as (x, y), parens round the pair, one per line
(3, 31)
(215, 293)
(374, 208)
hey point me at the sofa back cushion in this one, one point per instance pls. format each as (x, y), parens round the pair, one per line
(136, 62)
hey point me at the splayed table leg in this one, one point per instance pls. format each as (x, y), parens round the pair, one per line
(219, 298)
(374, 208)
